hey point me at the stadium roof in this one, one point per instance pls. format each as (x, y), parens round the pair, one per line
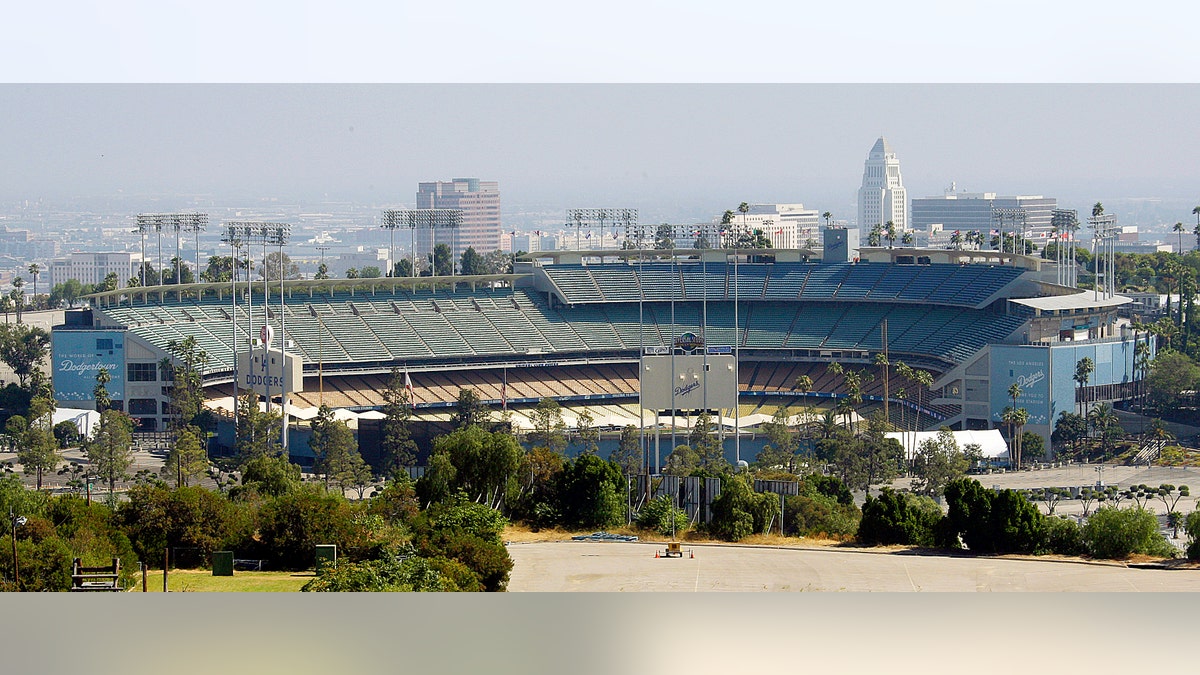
(1080, 300)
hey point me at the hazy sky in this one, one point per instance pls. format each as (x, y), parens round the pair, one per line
(664, 146)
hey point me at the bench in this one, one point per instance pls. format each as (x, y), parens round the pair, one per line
(95, 578)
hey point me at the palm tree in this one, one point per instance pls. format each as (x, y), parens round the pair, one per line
(1141, 363)
(1014, 392)
(804, 384)
(34, 270)
(1179, 228)
(907, 239)
(6, 306)
(1083, 370)
(829, 216)
(18, 296)
(881, 360)
(1196, 212)
(1097, 210)
(1196, 231)
(743, 209)
(956, 240)
(875, 236)
(890, 233)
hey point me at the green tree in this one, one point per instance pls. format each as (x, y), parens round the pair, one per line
(1171, 374)
(664, 238)
(37, 448)
(780, 448)
(549, 430)
(483, 462)
(442, 260)
(628, 454)
(1069, 429)
(938, 461)
(592, 493)
(187, 461)
(257, 431)
(23, 348)
(270, 267)
(110, 449)
(270, 475)
(589, 435)
(471, 262)
(100, 391)
(681, 461)
(704, 442)
(370, 272)
(186, 365)
(397, 446)
(469, 410)
(339, 459)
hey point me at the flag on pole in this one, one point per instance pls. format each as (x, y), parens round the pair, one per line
(504, 391)
(995, 233)
(408, 387)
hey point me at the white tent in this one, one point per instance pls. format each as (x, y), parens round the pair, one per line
(85, 420)
(990, 440)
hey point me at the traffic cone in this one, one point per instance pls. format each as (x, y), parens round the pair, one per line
(693, 552)
(655, 553)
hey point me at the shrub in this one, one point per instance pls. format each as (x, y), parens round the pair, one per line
(592, 493)
(1118, 533)
(45, 564)
(394, 571)
(291, 525)
(469, 534)
(896, 518)
(739, 512)
(1064, 537)
(989, 521)
(657, 515)
(817, 513)
(1192, 527)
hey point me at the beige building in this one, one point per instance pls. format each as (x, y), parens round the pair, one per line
(480, 203)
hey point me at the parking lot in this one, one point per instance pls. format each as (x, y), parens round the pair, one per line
(614, 566)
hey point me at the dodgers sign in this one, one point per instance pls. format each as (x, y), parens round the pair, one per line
(267, 372)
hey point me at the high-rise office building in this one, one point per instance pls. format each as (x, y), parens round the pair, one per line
(480, 203)
(983, 211)
(882, 197)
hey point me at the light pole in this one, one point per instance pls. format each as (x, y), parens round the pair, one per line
(15, 521)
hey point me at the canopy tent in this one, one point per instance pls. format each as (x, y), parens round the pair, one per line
(85, 420)
(991, 441)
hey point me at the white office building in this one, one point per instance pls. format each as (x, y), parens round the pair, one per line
(92, 268)
(882, 197)
(785, 225)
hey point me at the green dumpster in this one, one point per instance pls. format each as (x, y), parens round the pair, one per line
(326, 555)
(222, 563)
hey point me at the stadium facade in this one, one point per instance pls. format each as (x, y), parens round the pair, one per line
(574, 325)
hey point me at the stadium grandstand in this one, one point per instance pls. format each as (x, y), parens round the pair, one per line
(573, 326)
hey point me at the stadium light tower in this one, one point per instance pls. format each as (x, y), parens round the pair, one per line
(434, 219)
(1064, 223)
(196, 223)
(180, 222)
(269, 234)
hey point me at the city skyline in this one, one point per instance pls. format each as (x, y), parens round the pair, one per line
(674, 151)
